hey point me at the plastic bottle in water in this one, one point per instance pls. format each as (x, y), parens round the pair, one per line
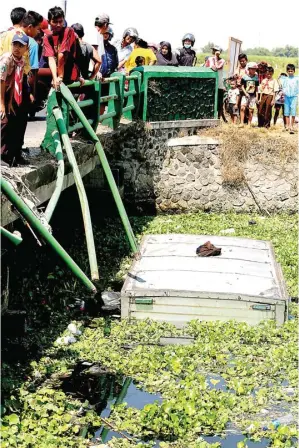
(284, 420)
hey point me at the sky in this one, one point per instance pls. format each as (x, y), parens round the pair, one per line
(158, 20)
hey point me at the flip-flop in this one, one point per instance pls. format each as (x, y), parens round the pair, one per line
(291, 131)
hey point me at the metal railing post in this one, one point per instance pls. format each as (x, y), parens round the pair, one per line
(29, 216)
(97, 102)
(136, 97)
(118, 103)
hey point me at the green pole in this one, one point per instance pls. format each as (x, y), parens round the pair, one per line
(60, 175)
(13, 237)
(27, 213)
(81, 192)
(120, 206)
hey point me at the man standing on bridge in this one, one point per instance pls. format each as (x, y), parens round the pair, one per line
(11, 76)
(62, 48)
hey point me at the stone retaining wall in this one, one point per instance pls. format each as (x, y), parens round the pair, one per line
(191, 180)
(177, 171)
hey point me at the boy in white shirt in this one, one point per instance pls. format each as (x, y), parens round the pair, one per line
(233, 101)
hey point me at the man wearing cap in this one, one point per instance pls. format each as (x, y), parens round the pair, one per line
(24, 23)
(216, 63)
(62, 49)
(102, 22)
(11, 77)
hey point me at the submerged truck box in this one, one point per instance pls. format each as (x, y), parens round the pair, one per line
(171, 283)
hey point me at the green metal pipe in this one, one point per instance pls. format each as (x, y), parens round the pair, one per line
(77, 84)
(60, 176)
(107, 115)
(113, 187)
(131, 77)
(85, 103)
(106, 98)
(78, 126)
(127, 108)
(29, 216)
(130, 93)
(109, 80)
(13, 237)
(81, 192)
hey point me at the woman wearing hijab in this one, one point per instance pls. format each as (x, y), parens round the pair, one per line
(165, 55)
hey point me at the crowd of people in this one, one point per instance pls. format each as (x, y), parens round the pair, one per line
(35, 48)
(254, 86)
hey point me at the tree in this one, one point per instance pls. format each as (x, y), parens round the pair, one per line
(207, 48)
(258, 51)
(287, 51)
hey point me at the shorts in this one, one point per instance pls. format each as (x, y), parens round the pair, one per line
(290, 104)
(233, 109)
(248, 102)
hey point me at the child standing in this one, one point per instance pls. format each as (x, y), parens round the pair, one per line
(139, 61)
(268, 90)
(233, 99)
(11, 77)
(290, 88)
(279, 102)
(249, 85)
(241, 70)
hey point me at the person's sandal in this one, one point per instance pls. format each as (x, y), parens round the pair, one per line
(208, 250)
(292, 131)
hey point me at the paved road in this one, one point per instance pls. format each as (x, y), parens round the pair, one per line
(35, 131)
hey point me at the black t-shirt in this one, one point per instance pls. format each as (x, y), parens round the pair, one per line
(85, 58)
(250, 83)
(186, 57)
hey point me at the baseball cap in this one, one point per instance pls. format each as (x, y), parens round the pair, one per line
(44, 25)
(21, 38)
(103, 18)
(217, 48)
(252, 65)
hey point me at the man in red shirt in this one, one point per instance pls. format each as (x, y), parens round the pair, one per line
(62, 49)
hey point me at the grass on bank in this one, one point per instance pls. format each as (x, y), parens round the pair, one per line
(39, 414)
(252, 144)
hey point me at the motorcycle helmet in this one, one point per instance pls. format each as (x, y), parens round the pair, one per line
(189, 36)
(111, 33)
(217, 48)
(132, 32)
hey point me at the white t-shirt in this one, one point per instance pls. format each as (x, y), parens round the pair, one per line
(101, 48)
(218, 65)
(232, 95)
(123, 53)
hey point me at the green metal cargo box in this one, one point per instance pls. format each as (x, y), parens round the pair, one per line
(171, 283)
(178, 93)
